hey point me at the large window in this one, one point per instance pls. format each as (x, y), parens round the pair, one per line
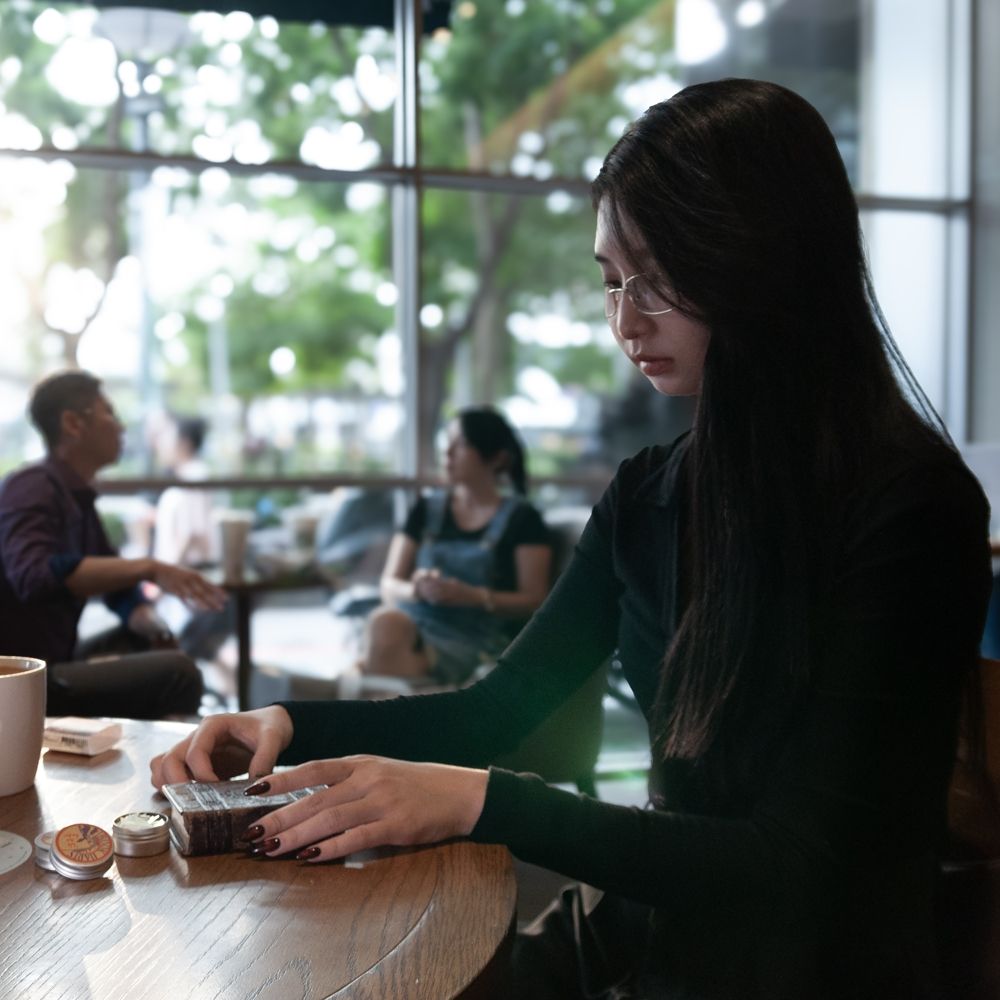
(324, 237)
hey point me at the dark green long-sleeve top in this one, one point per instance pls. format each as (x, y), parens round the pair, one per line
(819, 880)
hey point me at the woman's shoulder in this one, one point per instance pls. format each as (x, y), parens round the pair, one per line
(416, 516)
(527, 521)
(930, 473)
(653, 469)
(931, 486)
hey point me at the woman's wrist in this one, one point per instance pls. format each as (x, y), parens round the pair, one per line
(486, 600)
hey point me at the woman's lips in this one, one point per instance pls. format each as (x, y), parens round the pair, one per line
(655, 366)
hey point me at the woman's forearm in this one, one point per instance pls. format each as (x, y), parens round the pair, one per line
(508, 603)
(393, 590)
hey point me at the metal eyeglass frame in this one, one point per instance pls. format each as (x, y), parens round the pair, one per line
(615, 295)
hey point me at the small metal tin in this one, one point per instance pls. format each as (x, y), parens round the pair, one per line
(43, 848)
(140, 834)
(81, 851)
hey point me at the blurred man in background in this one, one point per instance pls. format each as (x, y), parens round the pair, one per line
(55, 555)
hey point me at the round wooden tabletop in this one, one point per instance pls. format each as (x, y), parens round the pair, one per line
(425, 923)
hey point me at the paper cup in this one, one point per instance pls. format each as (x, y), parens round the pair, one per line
(234, 532)
(22, 721)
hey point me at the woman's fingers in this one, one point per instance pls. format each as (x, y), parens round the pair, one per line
(369, 802)
(325, 813)
(224, 745)
(351, 841)
(168, 768)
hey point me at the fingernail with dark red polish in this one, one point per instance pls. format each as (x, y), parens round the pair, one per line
(307, 854)
(254, 832)
(258, 789)
(263, 847)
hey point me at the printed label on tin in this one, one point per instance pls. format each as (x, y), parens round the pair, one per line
(83, 844)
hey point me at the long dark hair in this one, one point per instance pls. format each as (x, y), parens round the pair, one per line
(737, 191)
(488, 431)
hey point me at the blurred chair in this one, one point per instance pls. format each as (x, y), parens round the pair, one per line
(352, 539)
(969, 886)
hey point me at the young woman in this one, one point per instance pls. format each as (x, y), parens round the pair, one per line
(469, 565)
(797, 590)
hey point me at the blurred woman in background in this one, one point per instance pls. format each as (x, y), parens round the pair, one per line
(470, 565)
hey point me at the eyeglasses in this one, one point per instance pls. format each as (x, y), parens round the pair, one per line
(642, 295)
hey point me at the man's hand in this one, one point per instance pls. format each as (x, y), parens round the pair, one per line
(370, 802)
(224, 746)
(188, 585)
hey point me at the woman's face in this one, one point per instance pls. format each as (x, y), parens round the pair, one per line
(462, 463)
(669, 349)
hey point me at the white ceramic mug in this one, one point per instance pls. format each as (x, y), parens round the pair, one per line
(22, 721)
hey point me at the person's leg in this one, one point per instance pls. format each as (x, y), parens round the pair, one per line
(205, 632)
(137, 686)
(393, 646)
(113, 641)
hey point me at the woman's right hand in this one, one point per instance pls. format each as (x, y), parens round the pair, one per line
(424, 581)
(226, 745)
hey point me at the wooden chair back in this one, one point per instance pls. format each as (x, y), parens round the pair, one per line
(974, 796)
(968, 900)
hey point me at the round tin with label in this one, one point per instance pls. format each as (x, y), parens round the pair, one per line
(141, 834)
(43, 850)
(81, 851)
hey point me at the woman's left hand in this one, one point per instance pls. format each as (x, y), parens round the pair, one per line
(369, 802)
(449, 591)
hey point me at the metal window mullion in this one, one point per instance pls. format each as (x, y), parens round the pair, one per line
(406, 223)
(958, 287)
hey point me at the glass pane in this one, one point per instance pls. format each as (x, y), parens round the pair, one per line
(263, 304)
(908, 261)
(544, 87)
(541, 87)
(916, 99)
(220, 87)
(513, 314)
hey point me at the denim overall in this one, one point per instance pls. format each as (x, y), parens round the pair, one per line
(462, 637)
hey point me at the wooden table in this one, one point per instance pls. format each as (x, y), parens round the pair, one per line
(420, 924)
(244, 593)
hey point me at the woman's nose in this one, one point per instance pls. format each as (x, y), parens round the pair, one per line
(629, 320)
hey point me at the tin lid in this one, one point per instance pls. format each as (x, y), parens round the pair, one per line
(43, 847)
(141, 834)
(141, 826)
(81, 851)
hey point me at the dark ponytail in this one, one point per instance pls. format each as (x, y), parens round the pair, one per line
(486, 429)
